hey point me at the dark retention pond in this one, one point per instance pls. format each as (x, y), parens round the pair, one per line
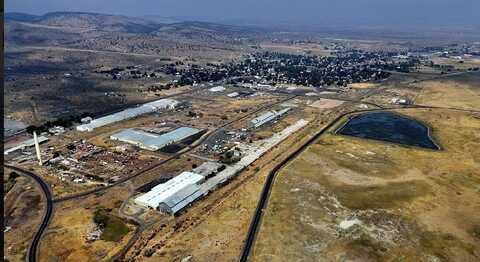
(390, 127)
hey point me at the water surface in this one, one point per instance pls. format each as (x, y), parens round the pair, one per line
(390, 127)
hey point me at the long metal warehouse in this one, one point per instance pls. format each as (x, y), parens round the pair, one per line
(173, 194)
(267, 117)
(151, 141)
(129, 113)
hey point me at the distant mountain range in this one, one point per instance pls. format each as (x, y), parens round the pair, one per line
(105, 31)
(148, 35)
(118, 23)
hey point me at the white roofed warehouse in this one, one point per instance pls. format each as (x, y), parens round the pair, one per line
(267, 117)
(174, 195)
(128, 113)
(152, 141)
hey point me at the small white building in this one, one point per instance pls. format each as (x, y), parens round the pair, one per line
(56, 130)
(234, 94)
(86, 120)
(217, 89)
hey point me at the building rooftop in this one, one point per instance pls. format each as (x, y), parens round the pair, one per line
(217, 89)
(128, 113)
(171, 190)
(25, 144)
(182, 198)
(267, 117)
(151, 141)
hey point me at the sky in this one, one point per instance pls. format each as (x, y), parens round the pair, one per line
(380, 13)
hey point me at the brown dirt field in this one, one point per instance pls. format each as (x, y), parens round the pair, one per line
(362, 85)
(324, 103)
(311, 49)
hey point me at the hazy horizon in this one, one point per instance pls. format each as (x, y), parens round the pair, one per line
(343, 13)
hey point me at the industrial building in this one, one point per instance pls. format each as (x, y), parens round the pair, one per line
(208, 168)
(180, 191)
(180, 199)
(267, 117)
(152, 141)
(129, 113)
(25, 144)
(251, 154)
(174, 195)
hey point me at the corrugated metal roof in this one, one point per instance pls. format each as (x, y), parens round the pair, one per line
(207, 168)
(151, 141)
(182, 198)
(267, 117)
(128, 113)
(185, 202)
(24, 144)
(177, 135)
(162, 192)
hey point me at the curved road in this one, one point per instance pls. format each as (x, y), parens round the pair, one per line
(32, 250)
(262, 203)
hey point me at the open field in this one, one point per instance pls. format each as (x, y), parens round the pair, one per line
(464, 63)
(46, 83)
(360, 199)
(311, 49)
(326, 103)
(363, 85)
(455, 91)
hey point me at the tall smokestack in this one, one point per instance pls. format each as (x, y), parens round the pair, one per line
(37, 148)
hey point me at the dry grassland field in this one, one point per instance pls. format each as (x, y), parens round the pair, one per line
(462, 91)
(350, 198)
(67, 236)
(463, 63)
(311, 49)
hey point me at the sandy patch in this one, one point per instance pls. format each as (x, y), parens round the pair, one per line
(326, 103)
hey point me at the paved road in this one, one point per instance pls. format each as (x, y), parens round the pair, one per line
(262, 203)
(267, 188)
(32, 250)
